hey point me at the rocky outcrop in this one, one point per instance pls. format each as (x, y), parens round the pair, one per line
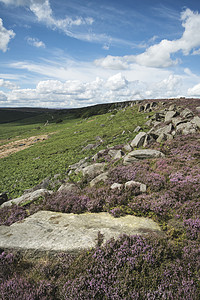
(100, 178)
(72, 233)
(138, 141)
(28, 197)
(68, 187)
(116, 154)
(141, 154)
(116, 185)
(93, 170)
(132, 183)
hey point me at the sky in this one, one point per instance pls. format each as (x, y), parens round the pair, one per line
(64, 54)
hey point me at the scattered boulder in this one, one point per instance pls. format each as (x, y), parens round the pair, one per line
(72, 233)
(78, 164)
(102, 177)
(132, 183)
(154, 104)
(116, 185)
(172, 107)
(138, 141)
(141, 108)
(141, 154)
(162, 137)
(116, 154)
(28, 197)
(170, 114)
(147, 107)
(196, 121)
(149, 138)
(186, 128)
(177, 121)
(198, 108)
(187, 113)
(165, 129)
(3, 198)
(158, 117)
(68, 187)
(94, 170)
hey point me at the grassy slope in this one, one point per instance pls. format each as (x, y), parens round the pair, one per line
(22, 170)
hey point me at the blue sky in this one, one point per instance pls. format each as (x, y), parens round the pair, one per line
(56, 53)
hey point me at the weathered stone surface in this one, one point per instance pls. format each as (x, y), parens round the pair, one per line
(141, 108)
(158, 117)
(29, 197)
(137, 129)
(132, 183)
(68, 187)
(141, 154)
(127, 148)
(116, 186)
(187, 113)
(149, 138)
(116, 154)
(94, 170)
(78, 164)
(99, 154)
(102, 177)
(166, 129)
(162, 137)
(169, 115)
(154, 104)
(196, 121)
(138, 141)
(53, 231)
(147, 106)
(149, 122)
(172, 107)
(3, 198)
(186, 128)
(176, 121)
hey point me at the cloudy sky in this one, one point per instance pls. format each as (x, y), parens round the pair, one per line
(56, 53)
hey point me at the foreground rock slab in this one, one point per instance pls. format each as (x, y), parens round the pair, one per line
(52, 231)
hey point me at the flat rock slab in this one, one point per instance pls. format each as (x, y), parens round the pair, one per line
(52, 231)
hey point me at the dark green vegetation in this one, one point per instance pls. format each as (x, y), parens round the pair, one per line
(149, 267)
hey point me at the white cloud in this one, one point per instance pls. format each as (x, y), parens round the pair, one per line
(76, 93)
(42, 10)
(113, 62)
(3, 97)
(194, 91)
(116, 82)
(159, 55)
(8, 84)
(5, 36)
(35, 42)
(168, 87)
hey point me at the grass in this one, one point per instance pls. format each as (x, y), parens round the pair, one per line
(28, 167)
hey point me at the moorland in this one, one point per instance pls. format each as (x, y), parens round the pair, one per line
(52, 149)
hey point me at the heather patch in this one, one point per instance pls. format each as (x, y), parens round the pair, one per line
(132, 267)
(12, 214)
